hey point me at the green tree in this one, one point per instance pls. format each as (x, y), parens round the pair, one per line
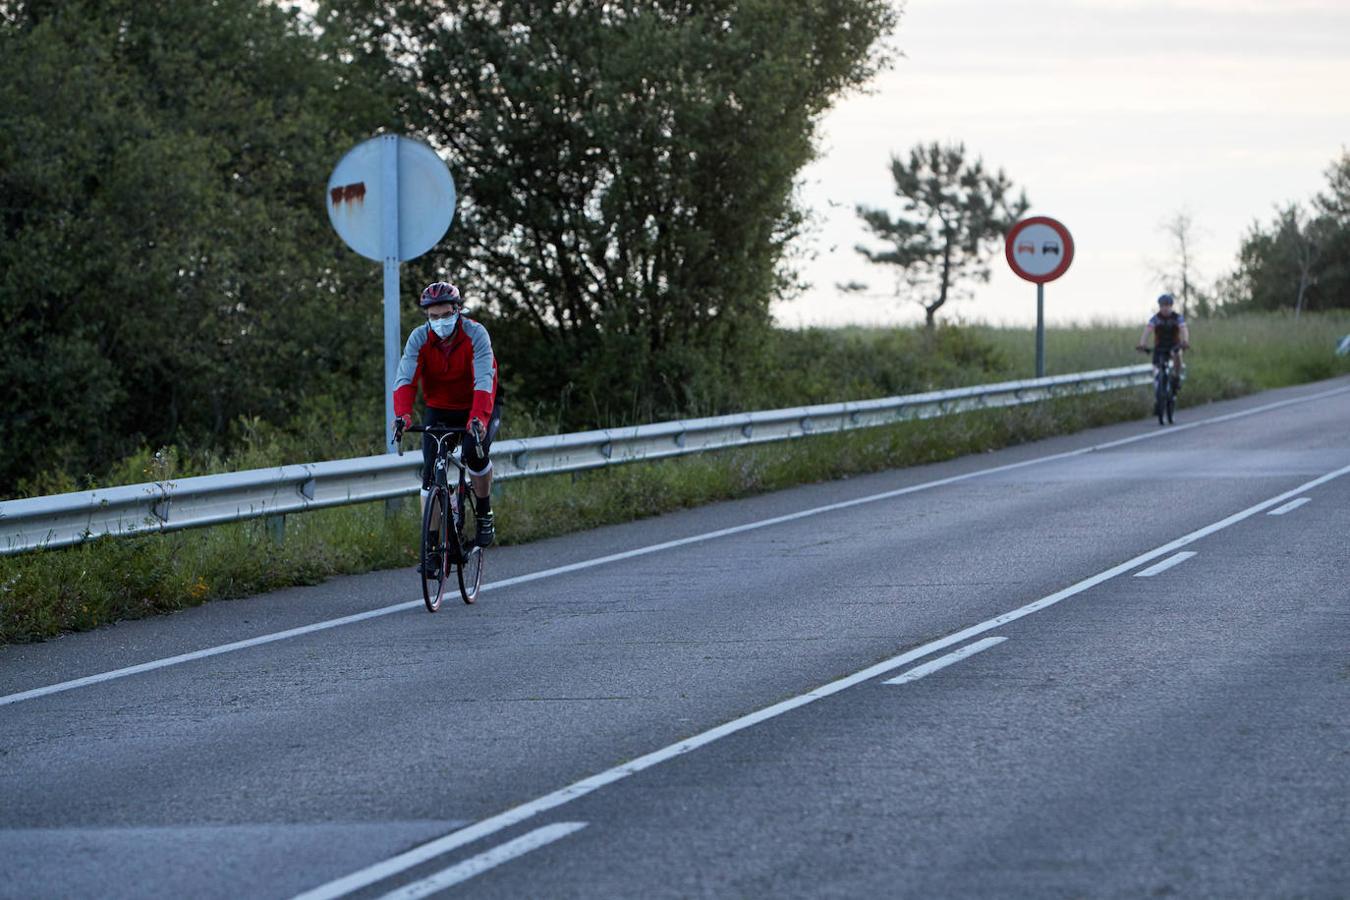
(627, 172)
(954, 213)
(1281, 266)
(167, 266)
(1301, 258)
(1333, 212)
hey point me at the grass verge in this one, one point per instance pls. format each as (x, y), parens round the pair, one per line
(46, 593)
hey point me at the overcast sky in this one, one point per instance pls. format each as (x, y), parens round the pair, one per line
(1113, 115)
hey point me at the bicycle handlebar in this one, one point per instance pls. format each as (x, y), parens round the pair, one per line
(436, 431)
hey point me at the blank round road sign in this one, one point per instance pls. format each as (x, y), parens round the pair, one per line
(426, 198)
(1039, 249)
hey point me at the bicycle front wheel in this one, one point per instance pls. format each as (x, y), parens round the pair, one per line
(436, 538)
(1160, 393)
(471, 574)
(469, 560)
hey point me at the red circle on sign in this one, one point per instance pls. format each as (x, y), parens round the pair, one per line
(1064, 250)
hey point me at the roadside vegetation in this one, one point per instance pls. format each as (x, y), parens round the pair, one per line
(45, 593)
(174, 302)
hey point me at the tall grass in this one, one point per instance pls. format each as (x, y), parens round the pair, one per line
(1229, 356)
(48, 592)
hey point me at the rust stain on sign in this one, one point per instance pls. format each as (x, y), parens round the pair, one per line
(349, 193)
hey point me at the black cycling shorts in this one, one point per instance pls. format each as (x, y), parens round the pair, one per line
(476, 454)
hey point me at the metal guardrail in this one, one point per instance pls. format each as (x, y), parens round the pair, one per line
(64, 519)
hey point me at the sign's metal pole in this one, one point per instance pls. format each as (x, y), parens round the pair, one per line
(1040, 330)
(389, 250)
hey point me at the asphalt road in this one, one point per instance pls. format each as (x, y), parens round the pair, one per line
(1110, 664)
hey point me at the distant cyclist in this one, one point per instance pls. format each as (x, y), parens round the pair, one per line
(450, 357)
(1170, 337)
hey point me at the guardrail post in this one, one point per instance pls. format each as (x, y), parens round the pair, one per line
(276, 529)
(393, 507)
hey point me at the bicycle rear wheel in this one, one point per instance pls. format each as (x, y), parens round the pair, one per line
(436, 538)
(1171, 406)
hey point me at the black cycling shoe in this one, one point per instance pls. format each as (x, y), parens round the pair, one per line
(487, 530)
(425, 565)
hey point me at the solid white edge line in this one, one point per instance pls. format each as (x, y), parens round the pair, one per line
(643, 551)
(1165, 564)
(203, 654)
(1290, 506)
(943, 662)
(418, 855)
(477, 865)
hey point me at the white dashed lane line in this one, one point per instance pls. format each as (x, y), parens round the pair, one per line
(477, 865)
(1290, 506)
(1165, 564)
(943, 662)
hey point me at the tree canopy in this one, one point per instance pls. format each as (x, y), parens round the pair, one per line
(167, 265)
(954, 213)
(628, 171)
(626, 175)
(1300, 260)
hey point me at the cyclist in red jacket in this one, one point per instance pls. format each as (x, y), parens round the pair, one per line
(450, 357)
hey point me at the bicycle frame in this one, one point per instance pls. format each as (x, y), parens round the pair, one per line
(1164, 392)
(448, 507)
(1168, 366)
(441, 477)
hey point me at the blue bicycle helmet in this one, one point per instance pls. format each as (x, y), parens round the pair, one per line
(1166, 300)
(440, 292)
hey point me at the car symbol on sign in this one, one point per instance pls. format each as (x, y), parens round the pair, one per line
(1050, 247)
(1026, 248)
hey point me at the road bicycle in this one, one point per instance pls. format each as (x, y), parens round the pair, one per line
(447, 542)
(1164, 385)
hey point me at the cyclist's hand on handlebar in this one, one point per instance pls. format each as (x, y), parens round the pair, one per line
(1142, 348)
(477, 429)
(401, 424)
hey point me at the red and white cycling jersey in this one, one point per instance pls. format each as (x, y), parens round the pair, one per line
(455, 373)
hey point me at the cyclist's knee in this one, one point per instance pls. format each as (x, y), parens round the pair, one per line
(477, 458)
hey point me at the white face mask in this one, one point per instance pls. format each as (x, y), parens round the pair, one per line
(444, 327)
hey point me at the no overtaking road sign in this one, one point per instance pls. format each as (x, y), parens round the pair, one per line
(1039, 249)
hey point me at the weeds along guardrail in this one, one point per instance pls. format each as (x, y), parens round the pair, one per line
(64, 519)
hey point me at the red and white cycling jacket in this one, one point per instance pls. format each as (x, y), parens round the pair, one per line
(458, 372)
